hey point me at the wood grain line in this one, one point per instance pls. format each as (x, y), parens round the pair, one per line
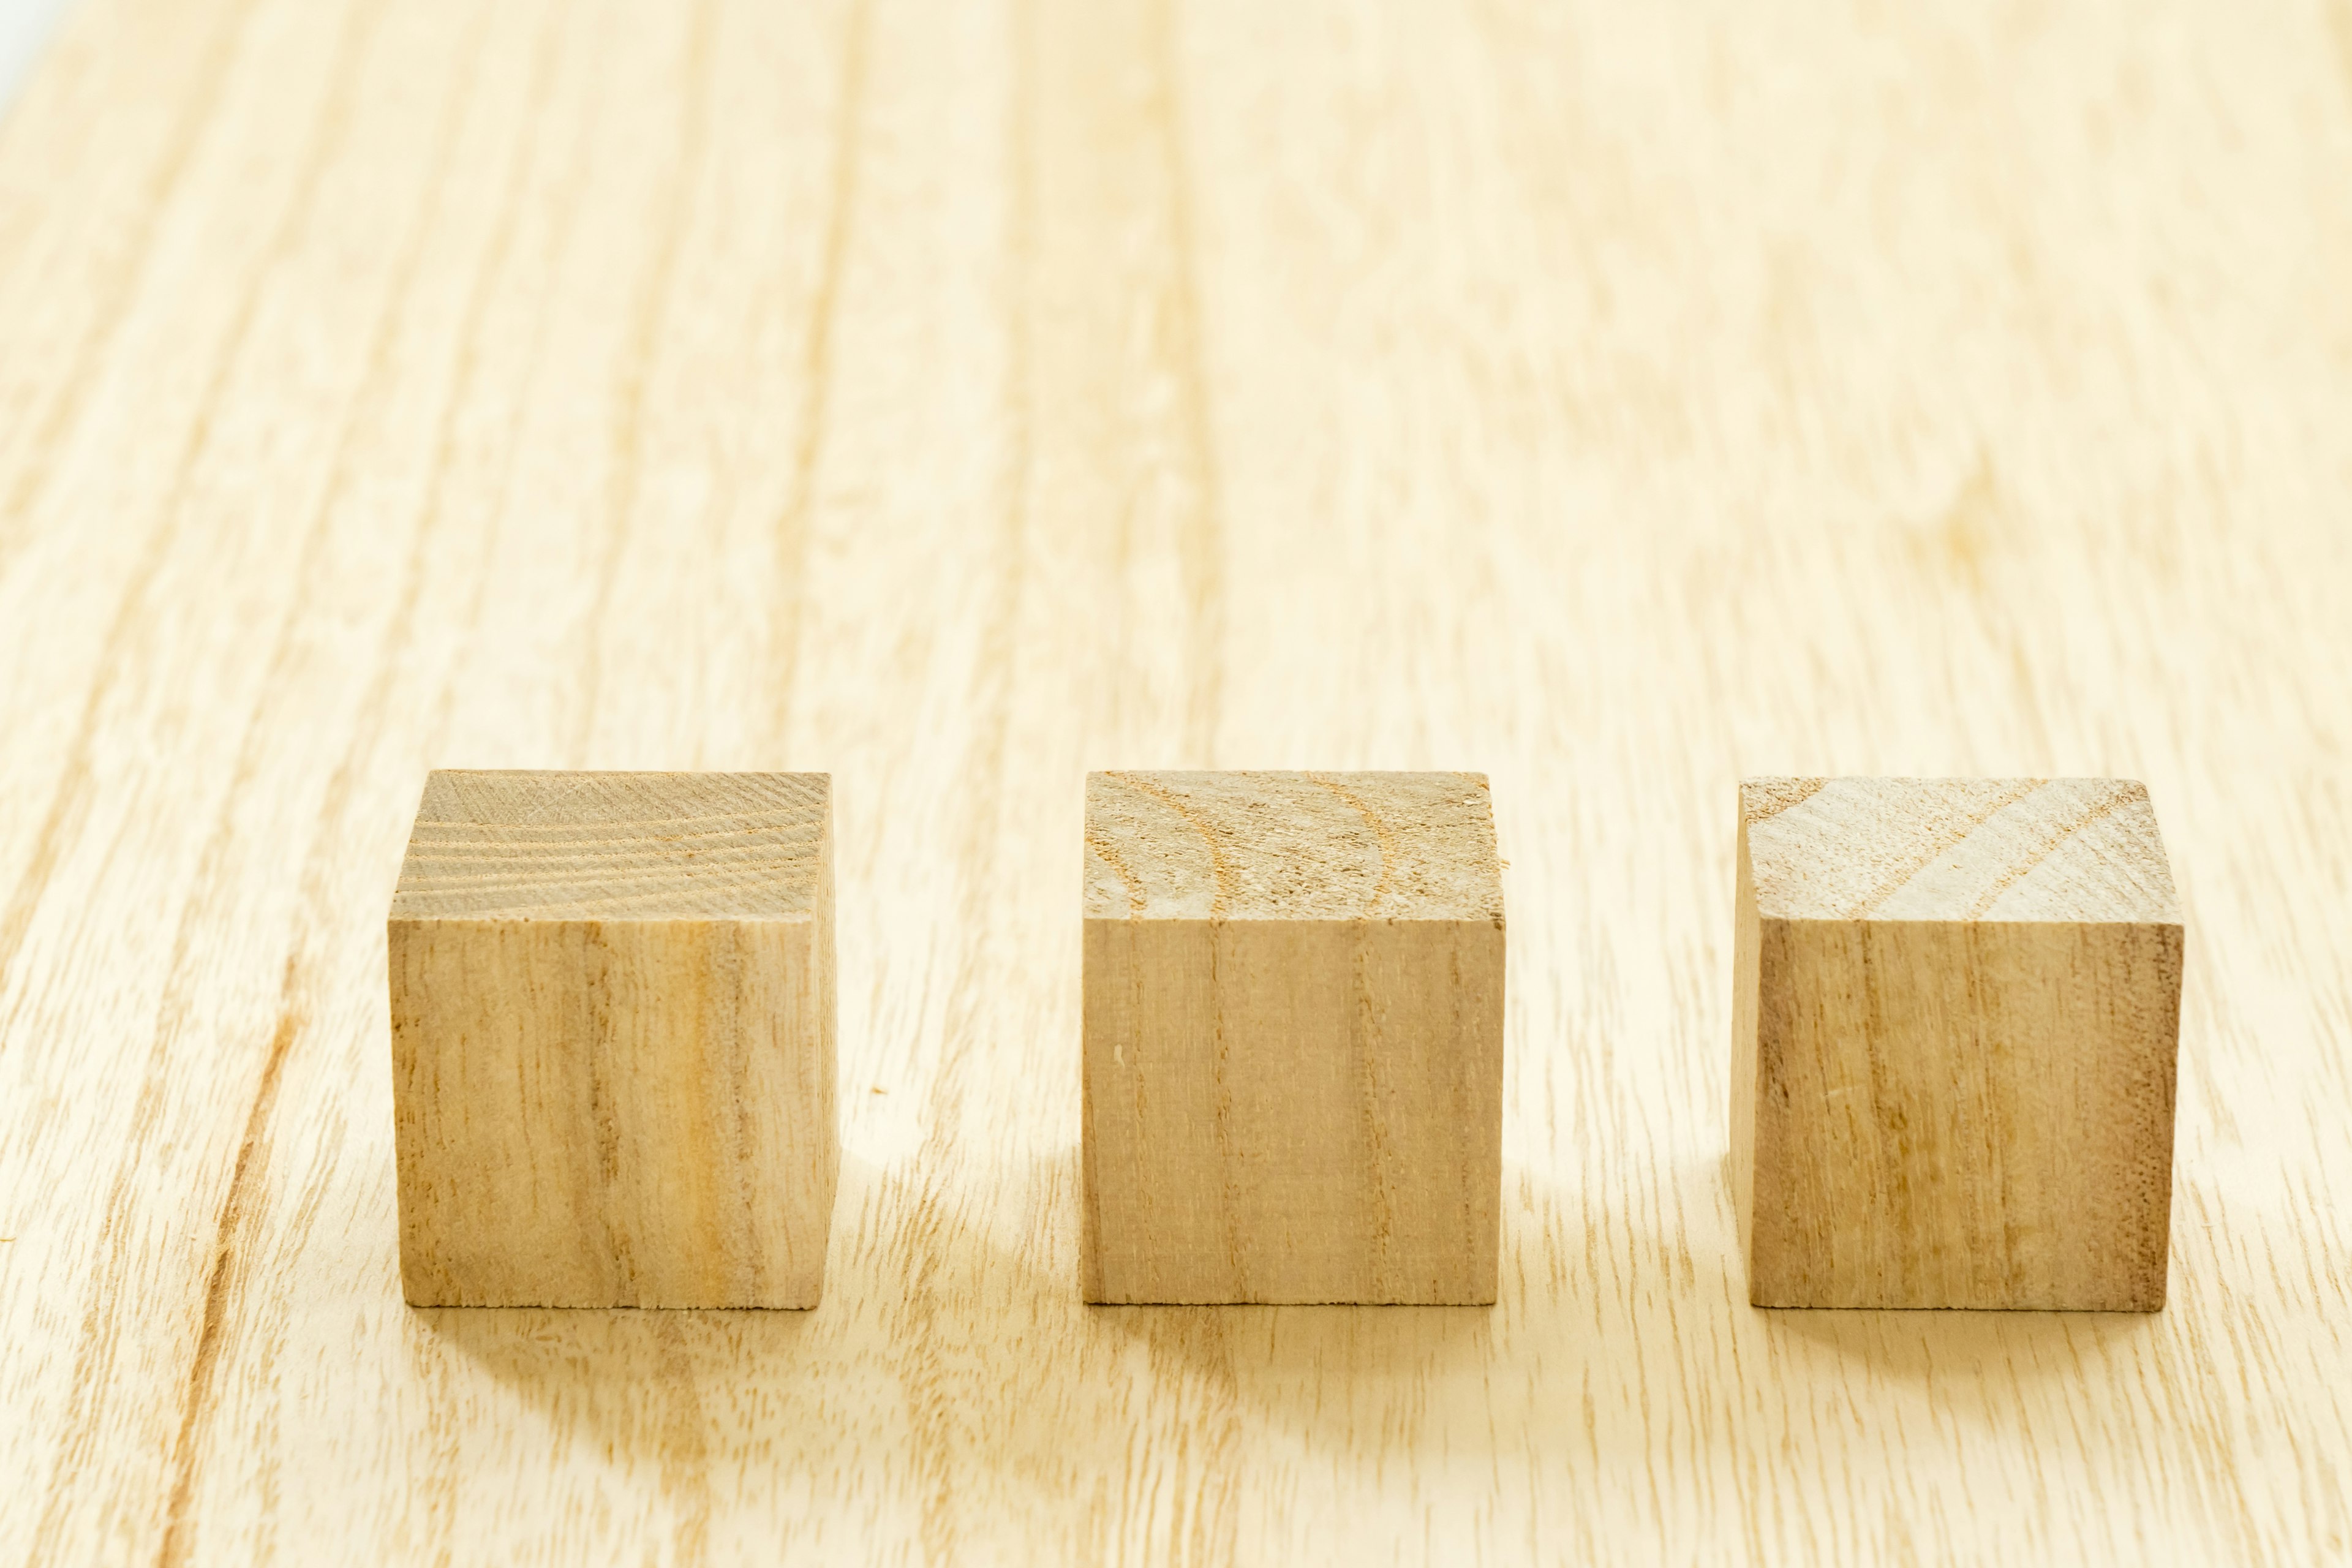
(1220, 865)
(1201, 541)
(1942, 843)
(1109, 856)
(2338, 15)
(794, 524)
(1385, 843)
(957, 1091)
(788, 813)
(673, 213)
(686, 1446)
(592, 846)
(245, 1180)
(997, 670)
(1786, 794)
(569, 188)
(2012, 874)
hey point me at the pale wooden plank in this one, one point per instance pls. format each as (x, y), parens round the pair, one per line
(1619, 402)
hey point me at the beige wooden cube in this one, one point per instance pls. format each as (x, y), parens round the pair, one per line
(1957, 1008)
(1293, 1037)
(612, 1040)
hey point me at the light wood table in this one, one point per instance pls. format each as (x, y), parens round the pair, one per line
(953, 397)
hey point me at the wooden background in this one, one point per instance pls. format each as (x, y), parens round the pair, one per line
(955, 397)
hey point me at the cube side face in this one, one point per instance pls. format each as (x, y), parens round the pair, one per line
(608, 1114)
(1746, 963)
(1963, 1114)
(1281, 1111)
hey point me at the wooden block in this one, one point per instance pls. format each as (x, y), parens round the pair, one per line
(1956, 1012)
(1293, 1037)
(612, 1040)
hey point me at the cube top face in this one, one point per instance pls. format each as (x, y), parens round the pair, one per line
(1248, 846)
(2077, 850)
(615, 846)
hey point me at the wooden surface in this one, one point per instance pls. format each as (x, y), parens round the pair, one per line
(1292, 1037)
(1615, 400)
(613, 1001)
(1956, 1020)
(614, 847)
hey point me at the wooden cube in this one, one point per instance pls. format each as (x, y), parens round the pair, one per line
(1957, 1007)
(612, 1040)
(1293, 1037)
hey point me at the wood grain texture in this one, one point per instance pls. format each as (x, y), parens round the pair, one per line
(1956, 1025)
(1617, 400)
(613, 1006)
(1293, 1038)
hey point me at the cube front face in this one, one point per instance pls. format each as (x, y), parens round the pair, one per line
(1973, 1110)
(1292, 1109)
(636, 1110)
